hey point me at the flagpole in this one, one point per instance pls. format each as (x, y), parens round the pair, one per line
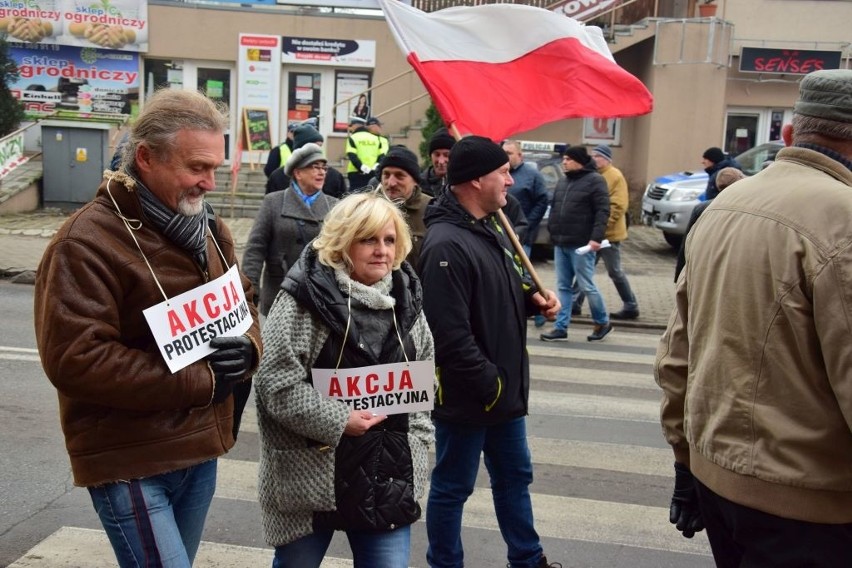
(510, 231)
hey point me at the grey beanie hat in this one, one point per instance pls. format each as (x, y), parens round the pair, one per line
(303, 157)
(826, 94)
(304, 134)
(604, 151)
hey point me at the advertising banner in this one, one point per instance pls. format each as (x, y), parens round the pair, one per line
(259, 77)
(585, 10)
(108, 24)
(336, 52)
(347, 84)
(184, 325)
(76, 81)
(792, 61)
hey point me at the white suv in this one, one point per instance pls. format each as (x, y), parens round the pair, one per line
(669, 200)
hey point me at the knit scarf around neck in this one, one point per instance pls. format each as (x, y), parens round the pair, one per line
(189, 233)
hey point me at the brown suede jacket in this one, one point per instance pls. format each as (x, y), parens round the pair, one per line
(124, 415)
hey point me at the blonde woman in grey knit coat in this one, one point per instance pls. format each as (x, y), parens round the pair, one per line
(350, 301)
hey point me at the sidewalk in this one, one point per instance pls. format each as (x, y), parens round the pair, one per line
(646, 258)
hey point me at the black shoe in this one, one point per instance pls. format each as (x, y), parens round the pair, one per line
(555, 335)
(543, 563)
(600, 332)
(576, 310)
(625, 315)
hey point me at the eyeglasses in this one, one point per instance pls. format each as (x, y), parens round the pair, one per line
(318, 167)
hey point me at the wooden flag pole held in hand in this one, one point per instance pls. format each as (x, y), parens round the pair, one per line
(510, 231)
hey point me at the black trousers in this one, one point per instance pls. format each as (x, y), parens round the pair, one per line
(741, 537)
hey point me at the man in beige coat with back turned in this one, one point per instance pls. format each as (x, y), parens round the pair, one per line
(756, 363)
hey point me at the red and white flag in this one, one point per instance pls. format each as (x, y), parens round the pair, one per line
(499, 69)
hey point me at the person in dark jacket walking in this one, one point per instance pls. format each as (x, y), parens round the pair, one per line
(350, 302)
(578, 217)
(714, 160)
(477, 304)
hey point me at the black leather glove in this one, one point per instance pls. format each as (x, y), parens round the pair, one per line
(233, 358)
(684, 512)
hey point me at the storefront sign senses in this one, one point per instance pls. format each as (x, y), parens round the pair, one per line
(791, 61)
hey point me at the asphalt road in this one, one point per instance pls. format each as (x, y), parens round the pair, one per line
(603, 471)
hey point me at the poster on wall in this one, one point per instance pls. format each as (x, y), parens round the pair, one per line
(602, 131)
(74, 81)
(303, 96)
(108, 24)
(349, 89)
(260, 76)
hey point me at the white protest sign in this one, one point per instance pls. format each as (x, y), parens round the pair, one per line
(395, 388)
(184, 325)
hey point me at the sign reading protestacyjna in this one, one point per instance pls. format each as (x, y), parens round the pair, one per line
(184, 325)
(395, 388)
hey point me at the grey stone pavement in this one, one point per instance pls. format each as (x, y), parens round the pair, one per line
(646, 258)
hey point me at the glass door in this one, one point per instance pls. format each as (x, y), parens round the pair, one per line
(741, 132)
(216, 84)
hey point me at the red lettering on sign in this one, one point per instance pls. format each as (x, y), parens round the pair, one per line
(372, 387)
(334, 387)
(405, 381)
(788, 62)
(191, 312)
(212, 309)
(175, 325)
(352, 386)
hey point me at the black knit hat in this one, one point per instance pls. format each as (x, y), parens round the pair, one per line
(441, 140)
(714, 154)
(473, 157)
(401, 157)
(577, 153)
(305, 133)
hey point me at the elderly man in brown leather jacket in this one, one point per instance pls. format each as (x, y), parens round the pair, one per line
(143, 439)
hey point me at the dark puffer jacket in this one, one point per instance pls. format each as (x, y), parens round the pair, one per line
(580, 209)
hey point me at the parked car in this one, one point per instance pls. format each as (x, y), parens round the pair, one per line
(669, 200)
(550, 166)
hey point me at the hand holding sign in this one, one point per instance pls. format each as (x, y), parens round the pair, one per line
(360, 421)
(230, 362)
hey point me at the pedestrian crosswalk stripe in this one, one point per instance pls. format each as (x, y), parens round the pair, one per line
(598, 377)
(593, 406)
(555, 516)
(18, 354)
(77, 547)
(568, 353)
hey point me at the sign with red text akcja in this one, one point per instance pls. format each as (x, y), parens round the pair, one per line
(395, 388)
(184, 325)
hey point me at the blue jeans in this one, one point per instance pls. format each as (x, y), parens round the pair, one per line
(612, 260)
(157, 521)
(570, 265)
(507, 458)
(385, 549)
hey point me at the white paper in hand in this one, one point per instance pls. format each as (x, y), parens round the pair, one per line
(586, 248)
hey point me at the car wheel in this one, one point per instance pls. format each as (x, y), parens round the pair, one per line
(673, 239)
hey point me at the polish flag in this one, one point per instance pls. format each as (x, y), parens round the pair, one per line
(499, 69)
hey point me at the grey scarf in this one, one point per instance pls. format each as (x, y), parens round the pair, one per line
(189, 233)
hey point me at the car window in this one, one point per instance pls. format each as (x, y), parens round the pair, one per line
(755, 159)
(551, 174)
